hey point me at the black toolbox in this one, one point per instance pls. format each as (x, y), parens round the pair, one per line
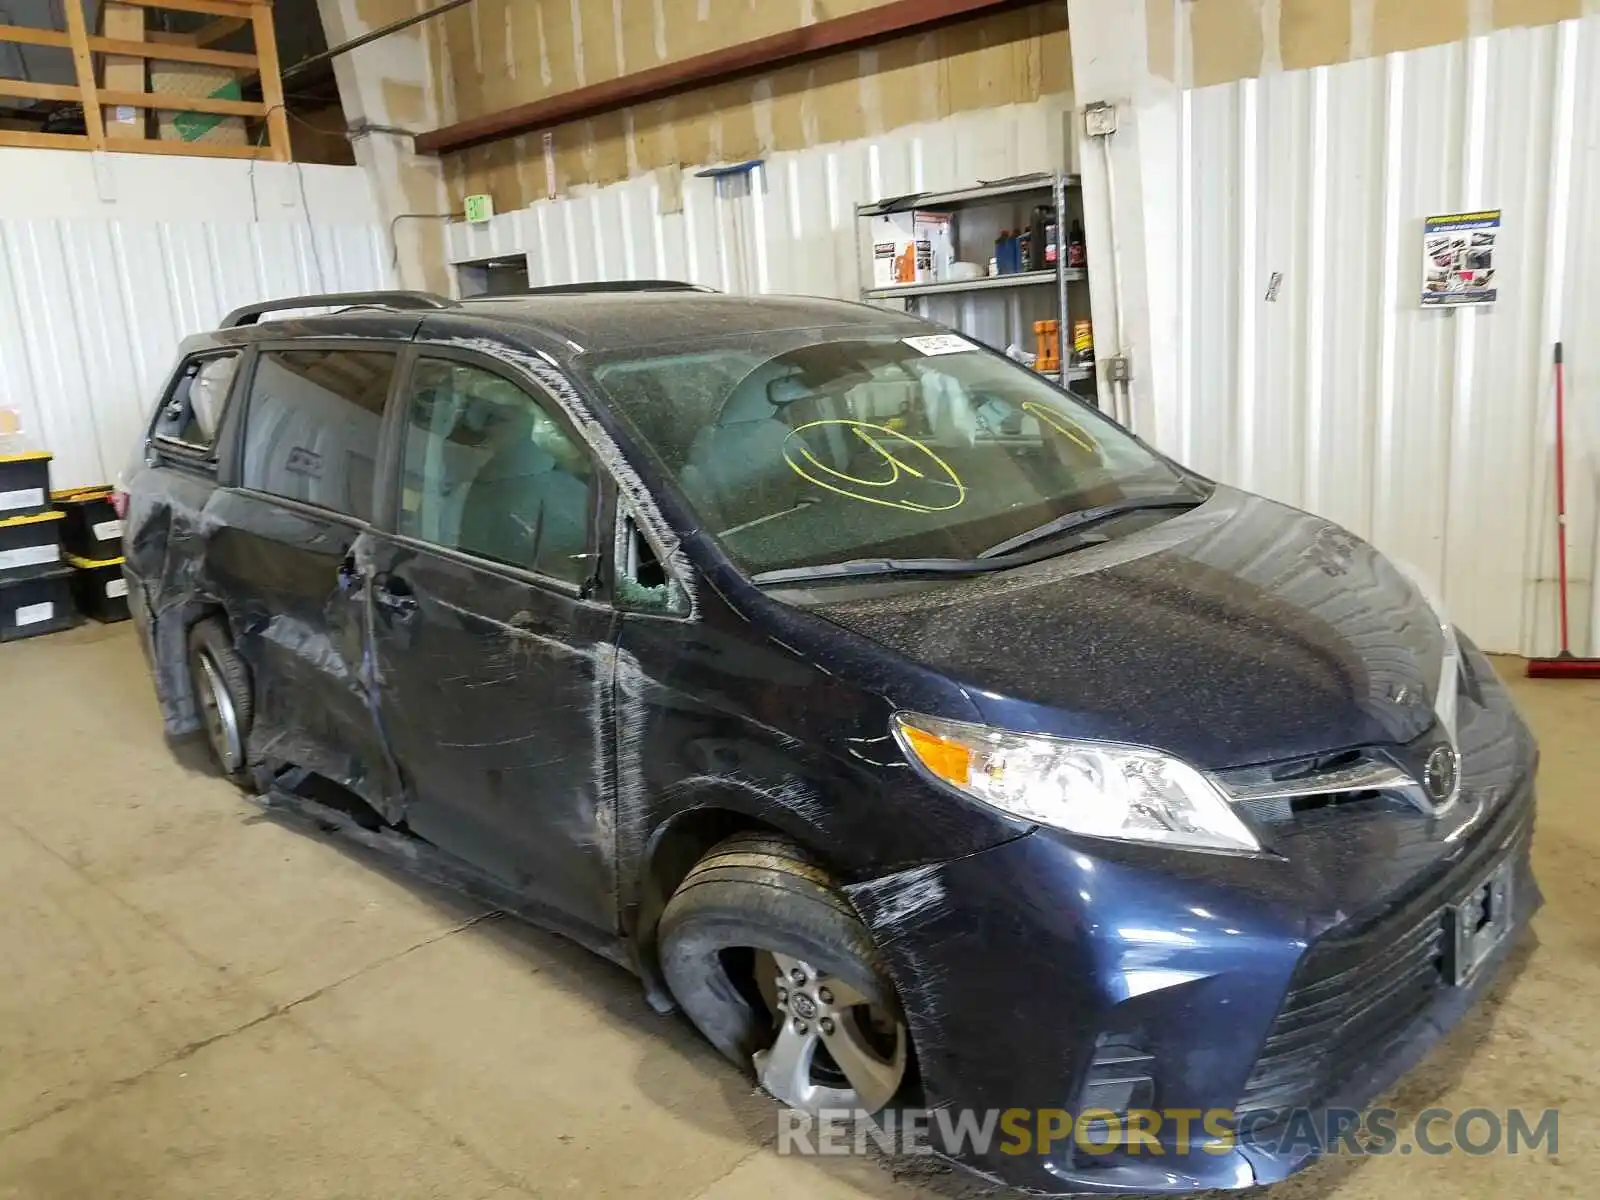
(24, 484)
(36, 600)
(92, 529)
(99, 588)
(32, 541)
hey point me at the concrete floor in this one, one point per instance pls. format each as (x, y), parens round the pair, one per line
(196, 1001)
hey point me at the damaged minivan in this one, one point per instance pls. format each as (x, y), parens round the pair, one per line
(923, 736)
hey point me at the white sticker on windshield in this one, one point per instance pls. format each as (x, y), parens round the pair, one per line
(939, 343)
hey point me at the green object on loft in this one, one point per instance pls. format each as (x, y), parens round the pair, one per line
(192, 126)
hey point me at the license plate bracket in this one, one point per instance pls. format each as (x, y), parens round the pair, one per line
(1479, 921)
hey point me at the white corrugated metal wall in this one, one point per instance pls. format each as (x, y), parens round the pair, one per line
(92, 308)
(786, 226)
(1429, 431)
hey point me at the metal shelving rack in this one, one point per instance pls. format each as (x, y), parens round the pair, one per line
(997, 195)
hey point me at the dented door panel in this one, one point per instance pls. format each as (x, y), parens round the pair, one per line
(297, 613)
(495, 693)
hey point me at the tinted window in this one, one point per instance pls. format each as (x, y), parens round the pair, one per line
(193, 409)
(315, 419)
(490, 471)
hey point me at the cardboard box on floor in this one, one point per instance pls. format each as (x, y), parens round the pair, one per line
(124, 73)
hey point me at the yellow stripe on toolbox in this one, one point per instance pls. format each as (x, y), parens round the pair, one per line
(30, 456)
(32, 520)
(98, 492)
(89, 564)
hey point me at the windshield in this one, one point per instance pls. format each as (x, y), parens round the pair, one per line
(816, 446)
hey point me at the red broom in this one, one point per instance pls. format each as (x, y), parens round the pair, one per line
(1565, 665)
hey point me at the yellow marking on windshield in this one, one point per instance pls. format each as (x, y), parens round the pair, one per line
(893, 447)
(1057, 422)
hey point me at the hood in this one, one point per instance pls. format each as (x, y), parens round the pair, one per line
(1240, 632)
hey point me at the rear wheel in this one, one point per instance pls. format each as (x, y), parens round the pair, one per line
(222, 696)
(772, 964)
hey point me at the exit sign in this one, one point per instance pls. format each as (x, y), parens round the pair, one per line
(480, 209)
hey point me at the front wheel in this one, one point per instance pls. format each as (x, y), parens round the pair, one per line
(772, 964)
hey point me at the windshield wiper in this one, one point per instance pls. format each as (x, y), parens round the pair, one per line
(879, 566)
(1091, 516)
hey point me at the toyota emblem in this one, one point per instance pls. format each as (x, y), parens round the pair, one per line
(1441, 774)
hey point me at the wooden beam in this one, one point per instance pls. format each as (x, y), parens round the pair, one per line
(271, 81)
(33, 37)
(210, 8)
(28, 140)
(895, 19)
(215, 31)
(172, 102)
(78, 32)
(167, 52)
(26, 90)
(194, 149)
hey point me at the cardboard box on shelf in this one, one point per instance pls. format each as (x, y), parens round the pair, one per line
(124, 72)
(912, 247)
(200, 80)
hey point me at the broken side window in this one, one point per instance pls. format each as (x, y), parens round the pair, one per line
(644, 584)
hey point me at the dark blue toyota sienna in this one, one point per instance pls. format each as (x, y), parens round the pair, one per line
(922, 735)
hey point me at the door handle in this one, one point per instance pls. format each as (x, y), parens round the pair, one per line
(351, 577)
(394, 596)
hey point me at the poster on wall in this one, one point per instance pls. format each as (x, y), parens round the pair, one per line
(1458, 258)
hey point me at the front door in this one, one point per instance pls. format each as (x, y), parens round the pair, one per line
(281, 548)
(494, 668)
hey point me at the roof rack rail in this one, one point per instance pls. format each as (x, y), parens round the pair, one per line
(605, 285)
(250, 314)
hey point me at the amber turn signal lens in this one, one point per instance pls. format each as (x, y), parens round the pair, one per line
(950, 761)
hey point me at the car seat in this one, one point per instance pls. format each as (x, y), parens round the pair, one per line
(736, 470)
(522, 508)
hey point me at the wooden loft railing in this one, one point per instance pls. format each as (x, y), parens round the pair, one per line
(230, 14)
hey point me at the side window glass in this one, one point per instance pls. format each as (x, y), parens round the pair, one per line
(643, 583)
(489, 471)
(193, 408)
(314, 424)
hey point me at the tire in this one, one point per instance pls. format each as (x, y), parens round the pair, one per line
(752, 917)
(223, 697)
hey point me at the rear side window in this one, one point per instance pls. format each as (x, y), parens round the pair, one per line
(314, 424)
(193, 408)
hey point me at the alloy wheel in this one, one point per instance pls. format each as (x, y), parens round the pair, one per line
(833, 1048)
(219, 717)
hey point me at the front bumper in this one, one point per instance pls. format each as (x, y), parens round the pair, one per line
(1022, 968)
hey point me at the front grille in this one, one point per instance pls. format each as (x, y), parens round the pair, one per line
(1353, 993)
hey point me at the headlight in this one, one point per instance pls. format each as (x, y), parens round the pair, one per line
(1092, 788)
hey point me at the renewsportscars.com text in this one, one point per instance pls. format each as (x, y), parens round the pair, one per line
(1159, 1132)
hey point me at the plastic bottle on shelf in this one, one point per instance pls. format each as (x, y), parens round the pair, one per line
(1082, 342)
(1077, 248)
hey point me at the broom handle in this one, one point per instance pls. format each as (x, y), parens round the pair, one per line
(1561, 493)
